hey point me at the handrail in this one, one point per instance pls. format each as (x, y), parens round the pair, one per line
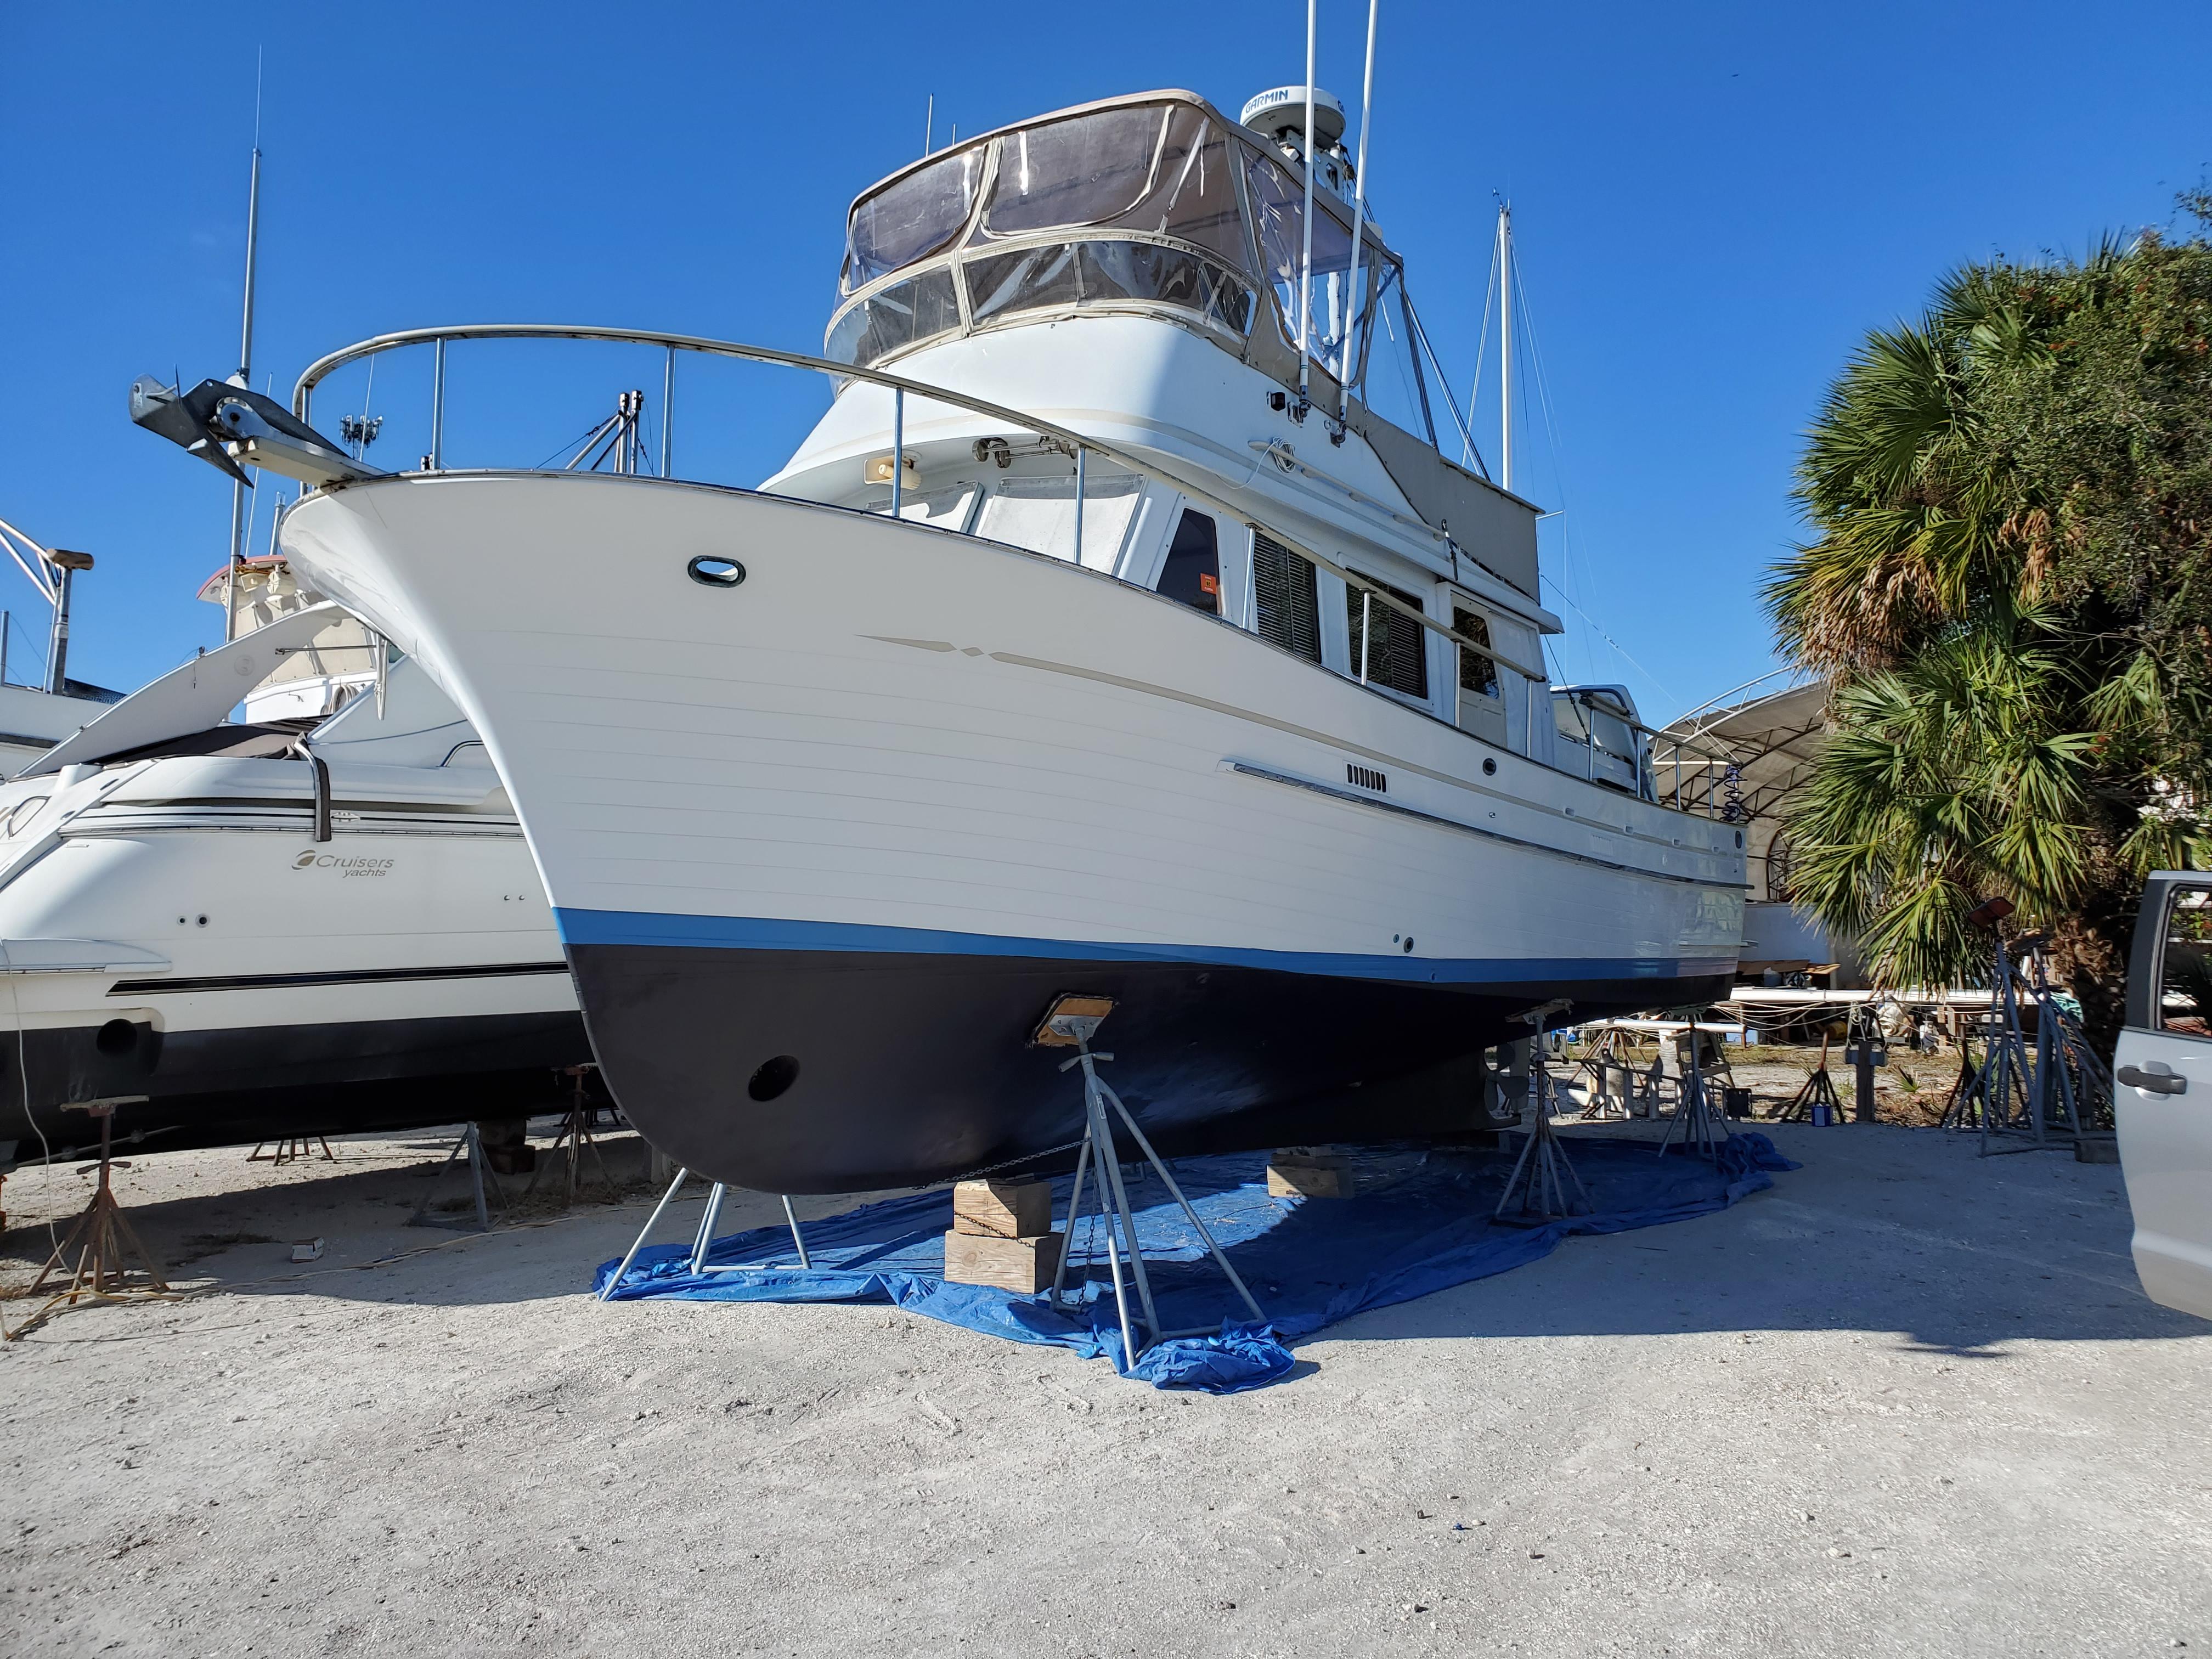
(324, 367)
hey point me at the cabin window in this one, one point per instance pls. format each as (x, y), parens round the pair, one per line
(1396, 654)
(1104, 274)
(1286, 598)
(911, 218)
(1039, 514)
(1193, 571)
(894, 318)
(1478, 674)
(1482, 692)
(1279, 206)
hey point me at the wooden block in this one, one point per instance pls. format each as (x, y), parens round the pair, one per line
(1002, 1209)
(1308, 1179)
(1024, 1266)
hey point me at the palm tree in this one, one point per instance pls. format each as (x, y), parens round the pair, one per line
(2005, 718)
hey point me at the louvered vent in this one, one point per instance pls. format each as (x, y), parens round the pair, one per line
(1367, 778)
(1288, 604)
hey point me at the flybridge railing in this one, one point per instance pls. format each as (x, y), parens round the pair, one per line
(1075, 444)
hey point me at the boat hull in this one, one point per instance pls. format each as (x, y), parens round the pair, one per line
(183, 945)
(916, 1068)
(872, 807)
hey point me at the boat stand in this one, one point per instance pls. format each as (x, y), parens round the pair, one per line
(575, 1139)
(470, 1142)
(1694, 1117)
(1073, 1021)
(291, 1149)
(1537, 1171)
(101, 1250)
(703, 1240)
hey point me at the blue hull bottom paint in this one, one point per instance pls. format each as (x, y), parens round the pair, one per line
(789, 1057)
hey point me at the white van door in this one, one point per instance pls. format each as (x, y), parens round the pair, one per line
(2162, 1093)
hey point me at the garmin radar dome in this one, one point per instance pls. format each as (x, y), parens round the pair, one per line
(1281, 115)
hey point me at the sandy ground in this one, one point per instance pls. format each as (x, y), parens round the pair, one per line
(1907, 1402)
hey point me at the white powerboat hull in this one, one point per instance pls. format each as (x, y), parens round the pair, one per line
(823, 844)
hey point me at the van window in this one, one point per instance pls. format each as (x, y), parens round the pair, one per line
(1287, 598)
(1398, 655)
(2184, 978)
(1193, 571)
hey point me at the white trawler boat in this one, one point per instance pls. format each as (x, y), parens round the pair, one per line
(1098, 639)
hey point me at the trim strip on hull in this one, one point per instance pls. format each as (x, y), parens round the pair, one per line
(653, 928)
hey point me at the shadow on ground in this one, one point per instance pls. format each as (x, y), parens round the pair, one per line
(1884, 1230)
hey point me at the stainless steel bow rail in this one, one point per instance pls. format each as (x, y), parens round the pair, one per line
(226, 424)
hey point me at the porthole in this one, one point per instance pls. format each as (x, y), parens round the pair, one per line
(1489, 769)
(773, 1077)
(709, 571)
(1409, 945)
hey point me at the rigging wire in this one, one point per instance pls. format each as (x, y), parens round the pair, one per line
(1559, 461)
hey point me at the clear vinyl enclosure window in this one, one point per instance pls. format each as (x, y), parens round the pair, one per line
(1278, 210)
(912, 217)
(1104, 273)
(1161, 170)
(894, 318)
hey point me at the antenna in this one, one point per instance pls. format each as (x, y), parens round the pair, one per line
(1350, 361)
(245, 375)
(1305, 256)
(1505, 344)
(929, 124)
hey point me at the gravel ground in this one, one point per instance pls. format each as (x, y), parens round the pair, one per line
(1908, 1402)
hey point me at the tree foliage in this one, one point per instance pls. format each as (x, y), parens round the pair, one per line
(2010, 586)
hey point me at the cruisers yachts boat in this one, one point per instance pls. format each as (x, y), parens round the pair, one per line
(242, 932)
(1121, 630)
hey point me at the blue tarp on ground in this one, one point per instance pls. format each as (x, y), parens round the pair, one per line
(1308, 1261)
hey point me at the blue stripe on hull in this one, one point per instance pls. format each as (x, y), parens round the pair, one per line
(649, 927)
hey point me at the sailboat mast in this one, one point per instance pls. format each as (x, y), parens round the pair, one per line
(245, 377)
(1505, 344)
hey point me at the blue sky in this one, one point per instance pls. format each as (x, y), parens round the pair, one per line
(1713, 203)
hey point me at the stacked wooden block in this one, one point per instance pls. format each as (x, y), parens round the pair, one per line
(1310, 1172)
(1002, 1235)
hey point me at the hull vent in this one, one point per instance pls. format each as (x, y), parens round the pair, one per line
(1366, 777)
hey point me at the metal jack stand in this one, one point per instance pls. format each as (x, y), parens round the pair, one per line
(1817, 1101)
(472, 1143)
(575, 1139)
(1070, 1022)
(703, 1240)
(1701, 1137)
(102, 1242)
(291, 1149)
(1543, 1194)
